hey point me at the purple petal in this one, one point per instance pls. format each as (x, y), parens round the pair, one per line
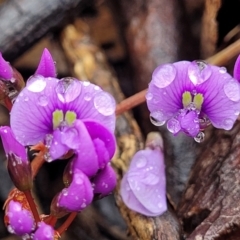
(164, 97)
(104, 141)
(46, 66)
(20, 220)
(6, 72)
(146, 181)
(44, 232)
(86, 157)
(57, 148)
(11, 145)
(105, 181)
(221, 98)
(78, 195)
(236, 71)
(189, 123)
(31, 115)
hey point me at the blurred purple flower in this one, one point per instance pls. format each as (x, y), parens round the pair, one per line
(66, 114)
(21, 221)
(44, 232)
(191, 95)
(46, 66)
(236, 70)
(18, 164)
(6, 71)
(143, 187)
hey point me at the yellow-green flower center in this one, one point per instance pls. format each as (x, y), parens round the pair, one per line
(58, 118)
(196, 100)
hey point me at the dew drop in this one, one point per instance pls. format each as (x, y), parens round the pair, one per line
(78, 181)
(68, 89)
(86, 83)
(104, 103)
(65, 192)
(200, 137)
(21, 94)
(228, 123)
(236, 112)
(141, 162)
(37, 85)
(160, 205)
(222, 70)
(87, 96)
(151, 179)
(97, 88)
(149, 96)
(43, 101)
(199, 72)
(26, 99)
(10, 229)
(173, 126)
(157, 118)
(164, 75)
(83, 205)
(232, 90)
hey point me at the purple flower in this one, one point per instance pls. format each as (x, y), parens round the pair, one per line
(143, 187)
(20, 220)
(191, 95)
(44, 232)
(66, 114)
(18, 164)
(77, 196)
(6, 71)
(46, 66)
(236, 70)
(105, 181)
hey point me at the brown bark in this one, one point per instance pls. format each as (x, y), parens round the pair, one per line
(85, 56)
(210, 208)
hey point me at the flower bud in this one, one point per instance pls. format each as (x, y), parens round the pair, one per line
(18, 164)
(44, 232)
(21, 221)
(46, 66)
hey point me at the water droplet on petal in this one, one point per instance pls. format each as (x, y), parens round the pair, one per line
(151, 179)
(43, 101)
(68, 89)
(65, 192)
(228, 123)
(86, 83)
(200, 137)
(232, 90)
(83, 205)
(97, 88)
(26, 99)
(149, 96)
(236, 112)
(157, 118)
(104, 103)
(199, 72)
(37, 85)
(141, 162)
(87, 96)
(222, 70)
(21, 94)
(173, 126)
(164, 75)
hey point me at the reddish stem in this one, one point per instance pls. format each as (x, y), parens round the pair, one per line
(131, 102)
(67, 223)
(32, 205)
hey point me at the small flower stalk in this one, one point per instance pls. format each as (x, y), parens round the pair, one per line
(189, 96)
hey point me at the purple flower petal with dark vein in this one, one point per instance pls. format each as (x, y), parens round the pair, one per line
(105, 181)
(46, 66)
(6, 72)
(48, 105)
(78, 195)
(191, 95)
(20, 220)
(143, 188)
(44, 232)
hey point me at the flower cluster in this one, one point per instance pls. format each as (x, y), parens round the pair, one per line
(143, 187)
(71, 118)
(188, 96)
